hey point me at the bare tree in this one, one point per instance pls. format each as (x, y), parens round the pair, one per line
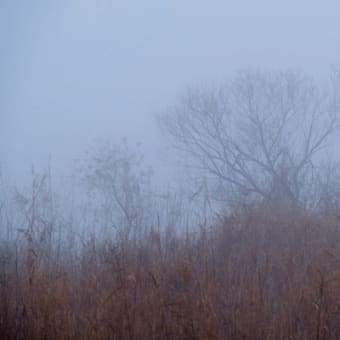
(259, 136)
(116, 176)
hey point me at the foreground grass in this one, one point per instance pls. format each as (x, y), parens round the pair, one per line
(255, 274)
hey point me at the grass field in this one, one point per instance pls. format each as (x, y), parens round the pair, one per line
(254, 274)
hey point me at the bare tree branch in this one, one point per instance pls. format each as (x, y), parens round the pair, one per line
(258, 134)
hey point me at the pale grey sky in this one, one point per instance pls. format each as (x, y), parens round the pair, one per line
(75, 71)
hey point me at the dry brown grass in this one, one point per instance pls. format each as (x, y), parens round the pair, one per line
(255, 274)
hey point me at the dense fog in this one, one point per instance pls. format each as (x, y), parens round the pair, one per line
(169, 169)
(73, 72)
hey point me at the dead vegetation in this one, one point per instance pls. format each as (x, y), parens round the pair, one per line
(255, 274)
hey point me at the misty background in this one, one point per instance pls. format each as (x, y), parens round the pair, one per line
(228, 228)
(75, 72)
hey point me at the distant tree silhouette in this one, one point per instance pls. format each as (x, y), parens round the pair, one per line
(259, 136)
